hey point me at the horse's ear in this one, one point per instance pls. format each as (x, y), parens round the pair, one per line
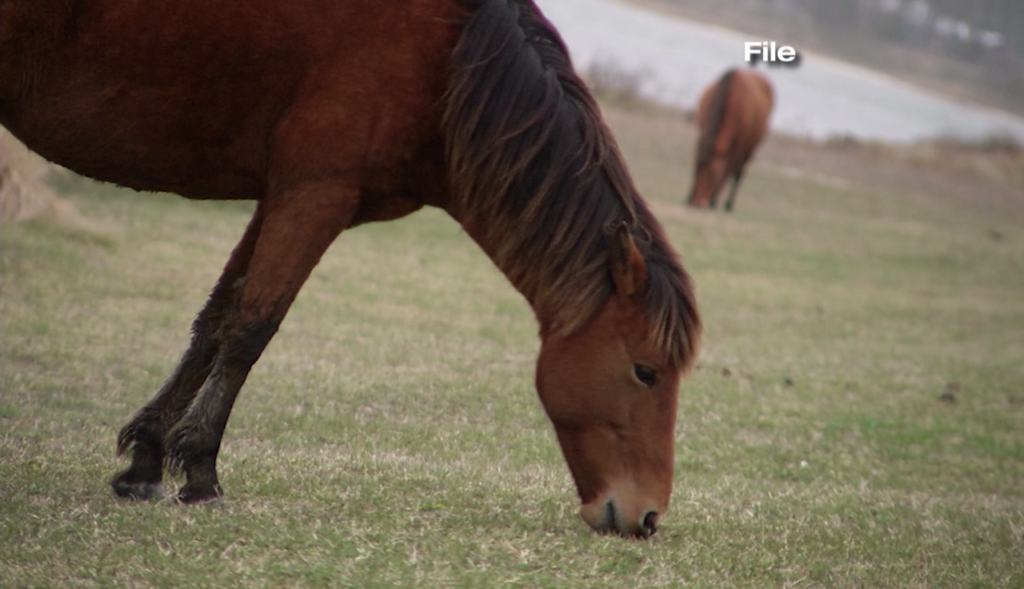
(629, 271)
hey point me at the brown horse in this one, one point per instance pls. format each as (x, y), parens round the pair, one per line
(733, 119)
(334, 114)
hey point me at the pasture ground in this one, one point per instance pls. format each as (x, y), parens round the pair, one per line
(856, 418)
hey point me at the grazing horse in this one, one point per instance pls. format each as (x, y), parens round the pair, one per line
(334, 114)
(733, 119)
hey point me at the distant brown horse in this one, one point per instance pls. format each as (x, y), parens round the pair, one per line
(334, 114)
(733, 119)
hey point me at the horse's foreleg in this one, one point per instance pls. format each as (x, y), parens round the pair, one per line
(297, 229)
(143, 436)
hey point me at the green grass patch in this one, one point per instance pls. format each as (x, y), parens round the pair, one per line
(856, 418)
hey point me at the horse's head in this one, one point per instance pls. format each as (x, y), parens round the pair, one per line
(611, 394)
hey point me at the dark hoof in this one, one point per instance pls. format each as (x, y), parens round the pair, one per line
(200, 494)
(138, 490)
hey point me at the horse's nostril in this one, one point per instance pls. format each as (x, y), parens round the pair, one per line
(650, 524)
(609, 516)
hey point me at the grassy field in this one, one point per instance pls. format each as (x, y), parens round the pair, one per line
(856, 418)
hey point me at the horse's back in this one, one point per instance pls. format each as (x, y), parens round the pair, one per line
(766, 91)
(757, 99)
(210, 98)
(749, 107)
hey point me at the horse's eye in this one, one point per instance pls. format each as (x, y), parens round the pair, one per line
(645, 374)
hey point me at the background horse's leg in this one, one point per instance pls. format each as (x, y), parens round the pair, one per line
(731, 155)
(143, 436)
(297, 229)
(713, 203)
(736, 178)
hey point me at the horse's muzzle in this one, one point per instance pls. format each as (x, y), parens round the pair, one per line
(608, 518)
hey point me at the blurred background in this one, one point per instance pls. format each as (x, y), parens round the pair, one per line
(896, 71)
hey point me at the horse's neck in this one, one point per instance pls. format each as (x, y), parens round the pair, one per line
(556, 307)
(495, 241)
